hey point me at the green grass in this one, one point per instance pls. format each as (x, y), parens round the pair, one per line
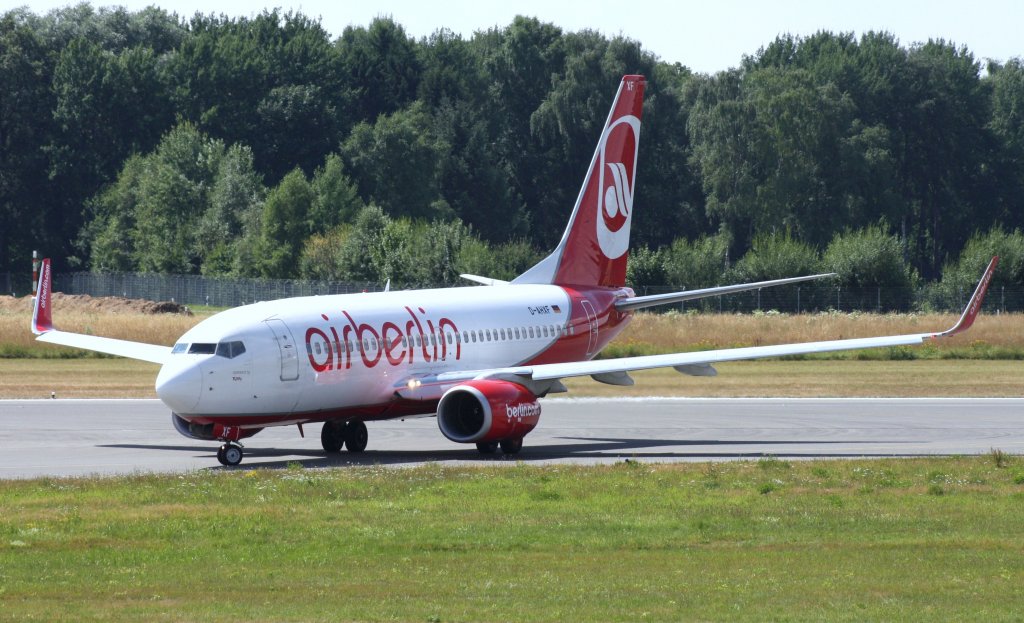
(923, 539)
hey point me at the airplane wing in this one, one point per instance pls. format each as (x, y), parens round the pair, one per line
(640, 302)
(544, 378)
(42, 326)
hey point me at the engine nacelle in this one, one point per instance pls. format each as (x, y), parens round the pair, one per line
(210, 432)
(484, 411)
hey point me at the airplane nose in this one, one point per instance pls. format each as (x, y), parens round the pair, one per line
(179, 387)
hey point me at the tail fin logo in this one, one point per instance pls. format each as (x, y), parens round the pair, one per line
(615, 199)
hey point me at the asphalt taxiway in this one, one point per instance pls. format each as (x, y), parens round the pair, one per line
(84, 437)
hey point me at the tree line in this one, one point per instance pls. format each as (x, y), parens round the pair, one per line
(143, 141)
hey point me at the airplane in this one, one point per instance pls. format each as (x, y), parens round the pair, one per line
(477, 358)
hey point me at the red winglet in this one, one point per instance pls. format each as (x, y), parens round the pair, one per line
(42, 316)
(974, 305)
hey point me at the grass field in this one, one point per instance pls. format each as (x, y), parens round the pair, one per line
(992, 337)
(121, 378)
(922, 539)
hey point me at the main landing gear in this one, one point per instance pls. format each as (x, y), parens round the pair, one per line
(508, 446)
(230, 454)
(351, 434)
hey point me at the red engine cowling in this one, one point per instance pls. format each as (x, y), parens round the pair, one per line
(483, 411)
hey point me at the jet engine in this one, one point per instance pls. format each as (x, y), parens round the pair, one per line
(210, 432)
(487, 411)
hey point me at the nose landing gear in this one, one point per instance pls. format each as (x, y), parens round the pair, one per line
(230, 454)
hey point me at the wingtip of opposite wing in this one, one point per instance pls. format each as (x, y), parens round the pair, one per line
(42, 308)
(974, 304)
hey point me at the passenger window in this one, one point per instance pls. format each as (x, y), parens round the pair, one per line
(517, 333)
(449, 338)
(531, 331)
(503, 335)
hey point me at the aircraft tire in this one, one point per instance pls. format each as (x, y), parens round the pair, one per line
(232, 454)
(487, 447)
(220, 456)
(356, 436)
(512, 446)
(332, 437)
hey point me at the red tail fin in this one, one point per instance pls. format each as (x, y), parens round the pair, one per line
(594, 248)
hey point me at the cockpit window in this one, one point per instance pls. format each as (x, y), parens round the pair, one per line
(179, 348)
(231, 349)
(201, 348)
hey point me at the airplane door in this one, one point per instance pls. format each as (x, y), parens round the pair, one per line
(592, 319)
(289, 353)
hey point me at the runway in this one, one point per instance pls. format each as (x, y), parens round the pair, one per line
(84, 437)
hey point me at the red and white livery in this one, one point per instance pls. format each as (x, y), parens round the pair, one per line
(478, 358)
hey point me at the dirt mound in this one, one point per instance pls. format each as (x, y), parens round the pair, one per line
(95, 304)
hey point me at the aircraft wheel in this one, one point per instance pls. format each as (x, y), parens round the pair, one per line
(332, 437)
(232, 454)
(487, 447)
(356, 436)
(511, 446)
(220, 455)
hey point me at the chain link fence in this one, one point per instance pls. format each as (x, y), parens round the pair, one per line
(199, 290)
(220, 292)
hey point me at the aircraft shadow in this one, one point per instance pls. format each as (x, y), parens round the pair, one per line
(635, 449)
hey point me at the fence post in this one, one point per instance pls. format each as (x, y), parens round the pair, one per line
(839, 306)
(798, 299)
(879, 299)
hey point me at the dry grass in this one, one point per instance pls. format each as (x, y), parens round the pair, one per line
(676, 332)
(77, 378)
(120, 378)
(115, 318)
(22, 378)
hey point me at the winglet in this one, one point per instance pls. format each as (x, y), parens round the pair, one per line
(974, 305)
(42, 310)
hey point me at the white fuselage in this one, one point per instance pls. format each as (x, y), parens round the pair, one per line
(315, 355)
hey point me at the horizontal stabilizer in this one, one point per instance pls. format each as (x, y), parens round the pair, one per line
(640, 302)
(487, 281)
